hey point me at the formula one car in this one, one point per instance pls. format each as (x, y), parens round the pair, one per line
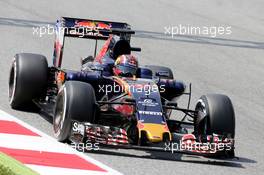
(95, 105)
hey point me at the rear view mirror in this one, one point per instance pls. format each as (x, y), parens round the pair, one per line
(136, 49)
(162, 74)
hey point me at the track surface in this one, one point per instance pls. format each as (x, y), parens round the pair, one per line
(231, 64)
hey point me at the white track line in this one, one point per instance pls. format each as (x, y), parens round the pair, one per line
(49, 144)
(66, 171)
(25, 142)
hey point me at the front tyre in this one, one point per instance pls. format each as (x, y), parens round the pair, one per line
(215, 116)
(75, 101)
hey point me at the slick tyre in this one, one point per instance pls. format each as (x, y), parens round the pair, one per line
(215, 116)
(27, 79)
(75, 101)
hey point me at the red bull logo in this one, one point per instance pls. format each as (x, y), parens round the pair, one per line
(101, 25)
(93, 25)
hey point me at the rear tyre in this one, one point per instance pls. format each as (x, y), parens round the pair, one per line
(216, 116)
(167, 72)
(27, 79)
(75, 101)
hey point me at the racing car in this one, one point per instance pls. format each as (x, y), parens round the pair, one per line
(128, 110)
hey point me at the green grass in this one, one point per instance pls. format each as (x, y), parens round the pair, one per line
(10, 166)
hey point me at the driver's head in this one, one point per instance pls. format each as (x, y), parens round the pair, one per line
(125, 66)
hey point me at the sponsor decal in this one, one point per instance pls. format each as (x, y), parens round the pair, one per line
(93, 25)
(78, 128)
(148, 102)
(150, 113)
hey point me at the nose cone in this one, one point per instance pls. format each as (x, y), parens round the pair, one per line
(155, 132)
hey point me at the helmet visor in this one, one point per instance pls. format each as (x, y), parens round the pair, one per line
(126, 70)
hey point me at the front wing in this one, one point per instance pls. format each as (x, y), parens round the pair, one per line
(113, 137)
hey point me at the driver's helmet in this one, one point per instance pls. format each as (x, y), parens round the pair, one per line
(125, 66)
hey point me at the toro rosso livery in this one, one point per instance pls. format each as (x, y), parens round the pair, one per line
(114, 101)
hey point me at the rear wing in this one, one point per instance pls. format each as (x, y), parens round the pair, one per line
(93, 29)
(86, 28)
